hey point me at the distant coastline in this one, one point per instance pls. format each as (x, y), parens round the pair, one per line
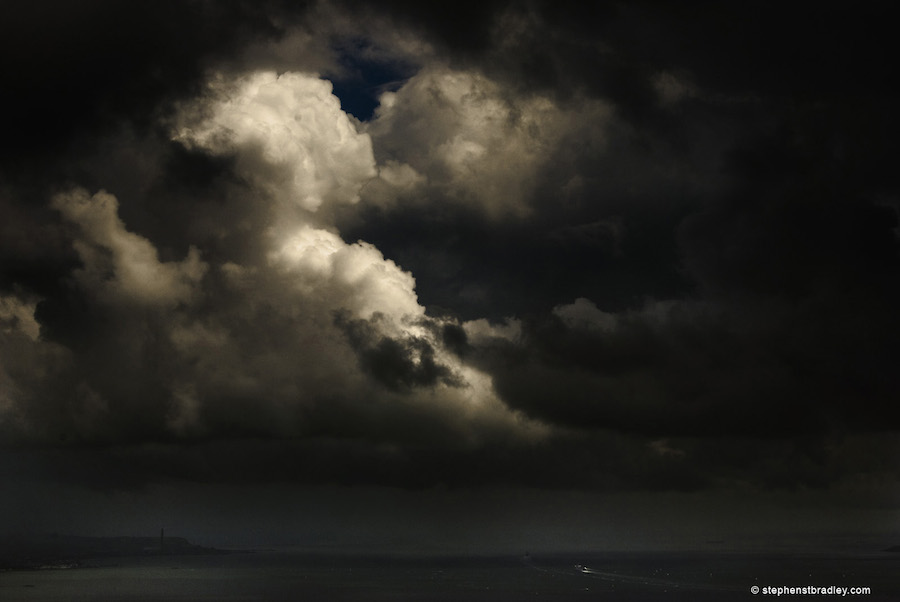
(57, 551)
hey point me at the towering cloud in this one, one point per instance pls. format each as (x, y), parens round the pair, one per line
(624, 233)
(313, 337)
(473, 143)
(289, 135)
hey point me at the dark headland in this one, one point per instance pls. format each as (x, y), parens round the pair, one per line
(39, 551)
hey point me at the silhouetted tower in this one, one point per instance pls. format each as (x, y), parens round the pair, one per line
(162, 540)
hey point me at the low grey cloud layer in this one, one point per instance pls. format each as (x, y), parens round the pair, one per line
(438, 248)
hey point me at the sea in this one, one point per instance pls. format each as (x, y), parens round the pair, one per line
(284, 574)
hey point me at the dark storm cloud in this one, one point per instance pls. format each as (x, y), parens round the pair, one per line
(463, 27)
(399, 365)
(860, 468)
(665, 150)
(773, 270)
(680, 225)
(195, 341)
(76, 69)
(33, 249)
(802, 214)
(74, 75)
(789, 330)
(705, 371)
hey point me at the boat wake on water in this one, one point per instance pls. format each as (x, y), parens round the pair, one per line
(625, 578)
(655, 578)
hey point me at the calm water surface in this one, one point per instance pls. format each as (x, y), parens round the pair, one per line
(277, 576)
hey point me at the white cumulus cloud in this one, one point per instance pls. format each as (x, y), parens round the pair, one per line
(474, 142)
(289, 136)
(355, 277)
(120, 264)
(313, 334)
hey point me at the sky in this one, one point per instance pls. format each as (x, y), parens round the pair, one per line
(469, 276)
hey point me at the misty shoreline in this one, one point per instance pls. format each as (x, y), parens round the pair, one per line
(33, 552)
(57, 551)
